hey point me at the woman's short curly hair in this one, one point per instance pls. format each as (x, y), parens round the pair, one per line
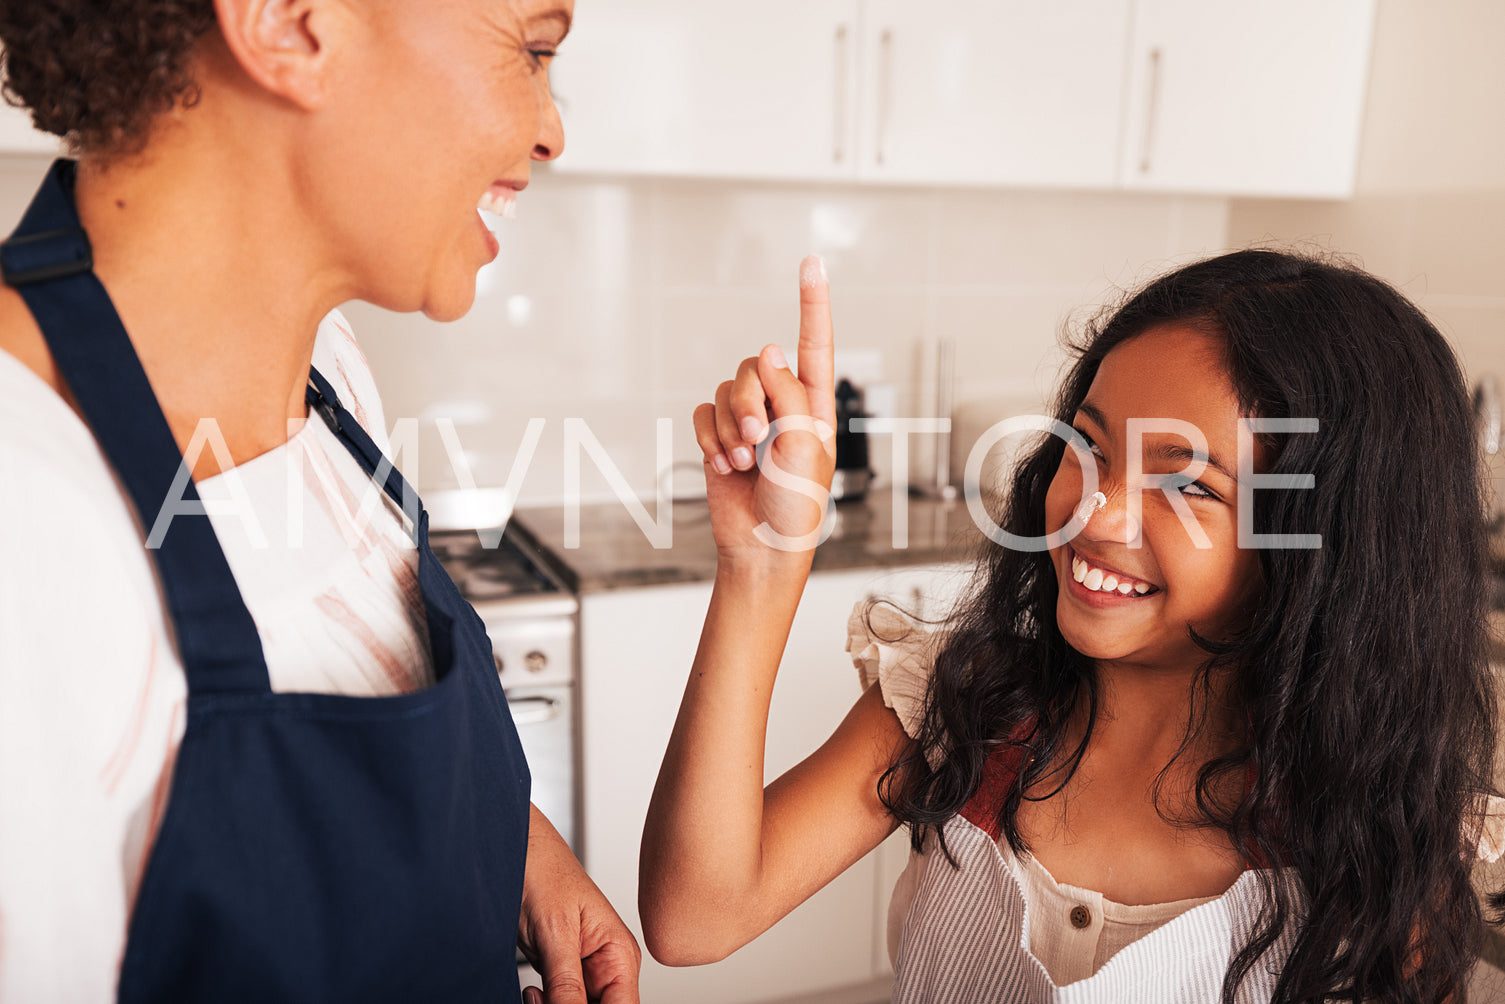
(98, 72)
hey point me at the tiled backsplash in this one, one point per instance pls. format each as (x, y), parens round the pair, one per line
(621, 302)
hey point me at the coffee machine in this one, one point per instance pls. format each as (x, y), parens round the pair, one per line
(852, 471)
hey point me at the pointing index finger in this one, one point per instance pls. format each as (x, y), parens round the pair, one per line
(816, 365)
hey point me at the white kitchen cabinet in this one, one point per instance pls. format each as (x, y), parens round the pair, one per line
(1203, 96)
(1009, 92)
(1247, 99)
(1006, 92)
(636, 649)
(765, 90)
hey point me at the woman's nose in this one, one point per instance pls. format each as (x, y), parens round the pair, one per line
(1109, 519)
(550, 132)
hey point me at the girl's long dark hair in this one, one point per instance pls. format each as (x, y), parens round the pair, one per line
(1363, 674)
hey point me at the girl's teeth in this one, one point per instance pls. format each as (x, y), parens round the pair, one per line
(1097, 580)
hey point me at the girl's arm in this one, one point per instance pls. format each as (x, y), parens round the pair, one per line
(723, 859)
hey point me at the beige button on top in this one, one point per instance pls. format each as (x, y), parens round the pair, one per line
(1080, 917)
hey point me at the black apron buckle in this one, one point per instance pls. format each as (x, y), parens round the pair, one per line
(51, 254)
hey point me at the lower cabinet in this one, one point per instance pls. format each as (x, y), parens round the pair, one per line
(636, 649)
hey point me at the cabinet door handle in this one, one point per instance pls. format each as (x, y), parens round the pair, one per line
(1152, 108)
(885, 83)
(839, 127)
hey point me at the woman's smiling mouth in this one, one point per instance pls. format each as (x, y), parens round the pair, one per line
(497, 203)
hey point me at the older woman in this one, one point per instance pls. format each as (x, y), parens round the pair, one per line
(264, 756)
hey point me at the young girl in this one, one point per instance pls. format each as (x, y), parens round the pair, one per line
(1170, 755)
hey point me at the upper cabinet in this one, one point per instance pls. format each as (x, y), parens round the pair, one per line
(765, 90)
(1167, 95)
(1003, 92)
(1250, 99)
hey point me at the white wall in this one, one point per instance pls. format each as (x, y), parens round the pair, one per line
(623, 301)
(19, 176)
(620, 302)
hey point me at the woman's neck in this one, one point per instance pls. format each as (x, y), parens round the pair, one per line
(220, 279)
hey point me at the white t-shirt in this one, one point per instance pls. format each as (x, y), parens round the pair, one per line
(91, 689)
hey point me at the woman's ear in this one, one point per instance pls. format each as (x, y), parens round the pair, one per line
(280, 44)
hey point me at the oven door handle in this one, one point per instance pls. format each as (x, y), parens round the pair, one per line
(534, 710)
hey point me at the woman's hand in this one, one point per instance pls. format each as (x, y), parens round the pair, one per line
(778, 504)
(568, 931)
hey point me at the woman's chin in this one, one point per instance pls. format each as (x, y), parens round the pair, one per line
(446, 313)
(450, 304)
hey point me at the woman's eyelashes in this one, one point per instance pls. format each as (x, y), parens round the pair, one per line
(1188, 487)
(542, 53)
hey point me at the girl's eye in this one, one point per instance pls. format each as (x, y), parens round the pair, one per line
(1195, 489)
(540, 56)
(1097, 451)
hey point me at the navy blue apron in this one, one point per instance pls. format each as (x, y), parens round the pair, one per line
(315, 847)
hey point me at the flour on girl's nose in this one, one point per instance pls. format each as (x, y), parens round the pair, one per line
(1090, 505)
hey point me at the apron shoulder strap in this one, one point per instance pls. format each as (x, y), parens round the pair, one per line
(49, 263)
(321, 396)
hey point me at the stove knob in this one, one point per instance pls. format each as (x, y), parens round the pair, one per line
(536, 661)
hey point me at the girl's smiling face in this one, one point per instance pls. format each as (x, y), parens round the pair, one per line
(1165, 581)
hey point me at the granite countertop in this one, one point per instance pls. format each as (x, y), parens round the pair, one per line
(614, 553)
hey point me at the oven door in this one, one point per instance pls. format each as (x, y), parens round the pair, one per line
(544, 717)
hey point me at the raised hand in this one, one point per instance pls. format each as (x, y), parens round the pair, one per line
(723, 858)
(775, 505)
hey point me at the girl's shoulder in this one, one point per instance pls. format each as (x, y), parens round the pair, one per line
(895, 650)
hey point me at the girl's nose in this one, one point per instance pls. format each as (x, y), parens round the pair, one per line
(1107, 516)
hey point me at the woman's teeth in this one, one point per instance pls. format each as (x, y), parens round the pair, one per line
(1100, 581)
(503, 204)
